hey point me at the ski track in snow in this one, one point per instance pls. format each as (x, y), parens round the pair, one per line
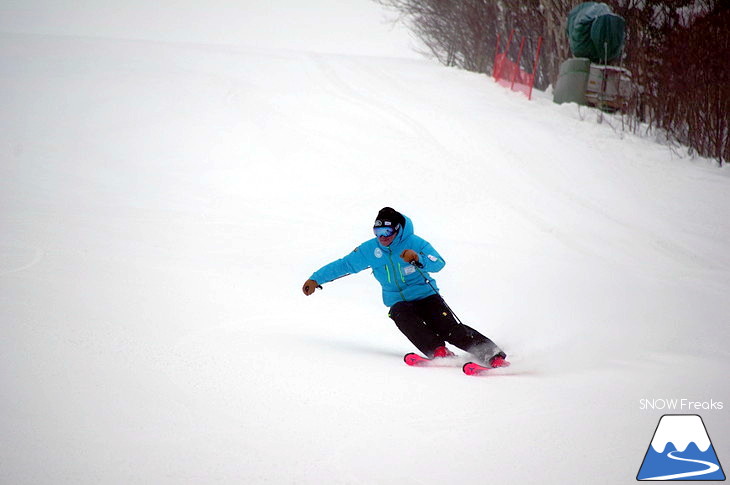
(35, 259)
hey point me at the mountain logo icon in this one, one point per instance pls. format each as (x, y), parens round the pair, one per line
(681, 450)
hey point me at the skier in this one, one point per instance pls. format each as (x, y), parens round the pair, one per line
(401, 262)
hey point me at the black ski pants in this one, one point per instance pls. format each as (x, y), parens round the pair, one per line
(428, 324)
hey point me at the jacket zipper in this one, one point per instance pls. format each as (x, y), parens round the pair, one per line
(400, 290)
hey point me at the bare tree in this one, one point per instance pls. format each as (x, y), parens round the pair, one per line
(463, 33)
(557, 48)
(677, 51)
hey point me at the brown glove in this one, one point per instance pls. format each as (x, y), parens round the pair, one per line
(309, 287)
(409, 256)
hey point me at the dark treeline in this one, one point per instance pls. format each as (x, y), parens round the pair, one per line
(677, 50)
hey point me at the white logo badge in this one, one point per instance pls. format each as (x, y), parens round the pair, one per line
(378, 253)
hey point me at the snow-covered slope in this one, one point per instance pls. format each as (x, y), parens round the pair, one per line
(162, 203)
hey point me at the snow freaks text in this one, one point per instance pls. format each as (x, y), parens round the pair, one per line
(679, 405)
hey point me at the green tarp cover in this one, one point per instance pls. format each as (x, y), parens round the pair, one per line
(595, 32)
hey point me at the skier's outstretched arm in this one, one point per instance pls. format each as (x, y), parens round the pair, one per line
(352, 263)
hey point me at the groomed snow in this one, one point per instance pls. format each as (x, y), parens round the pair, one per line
(161, 204)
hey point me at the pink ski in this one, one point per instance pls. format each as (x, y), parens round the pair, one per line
(416, 360)
(474, 369)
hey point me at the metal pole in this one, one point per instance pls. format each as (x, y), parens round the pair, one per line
(418, 266)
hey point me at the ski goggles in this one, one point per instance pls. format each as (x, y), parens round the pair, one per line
(384, 231)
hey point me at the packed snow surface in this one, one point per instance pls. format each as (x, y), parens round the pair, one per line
(161, 204)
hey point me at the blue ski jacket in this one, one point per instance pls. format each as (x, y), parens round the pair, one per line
(401, 281)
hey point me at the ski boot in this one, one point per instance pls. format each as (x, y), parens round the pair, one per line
(498, 360)
(442, 352)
